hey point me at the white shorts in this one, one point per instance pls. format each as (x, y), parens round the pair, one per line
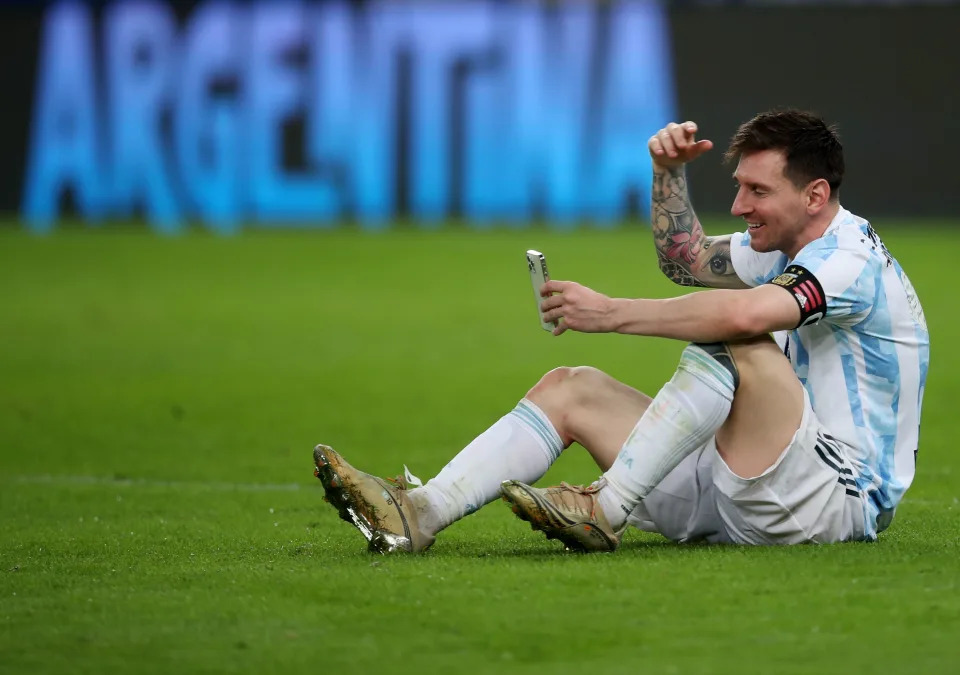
(807, 496)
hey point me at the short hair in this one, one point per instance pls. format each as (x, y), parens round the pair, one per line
(811, 147)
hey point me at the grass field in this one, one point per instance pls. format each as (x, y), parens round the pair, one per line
(160, 399)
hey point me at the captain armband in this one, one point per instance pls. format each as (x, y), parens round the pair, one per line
(806, 290)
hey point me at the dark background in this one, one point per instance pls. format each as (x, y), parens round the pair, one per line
(889, 77)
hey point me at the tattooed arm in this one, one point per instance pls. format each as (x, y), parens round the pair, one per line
(687, 256)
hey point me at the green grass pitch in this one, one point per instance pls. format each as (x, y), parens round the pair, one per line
(160, 399)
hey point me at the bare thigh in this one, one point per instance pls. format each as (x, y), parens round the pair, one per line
(766, 411)
(591, 408)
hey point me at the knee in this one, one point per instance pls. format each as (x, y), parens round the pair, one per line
(718, 358)
(565, 386)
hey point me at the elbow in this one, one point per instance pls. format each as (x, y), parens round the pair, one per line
(677, 274)
(667, 269)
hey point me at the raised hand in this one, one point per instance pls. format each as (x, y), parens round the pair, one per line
(675, 145)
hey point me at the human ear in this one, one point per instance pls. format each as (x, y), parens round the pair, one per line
(817, 194)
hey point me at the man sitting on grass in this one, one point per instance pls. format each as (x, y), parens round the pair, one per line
(809, 438)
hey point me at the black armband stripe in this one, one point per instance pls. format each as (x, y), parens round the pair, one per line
(806, 290)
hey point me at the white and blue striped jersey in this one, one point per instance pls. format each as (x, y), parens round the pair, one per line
(863, 359)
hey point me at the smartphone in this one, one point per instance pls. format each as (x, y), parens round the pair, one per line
(537, 264)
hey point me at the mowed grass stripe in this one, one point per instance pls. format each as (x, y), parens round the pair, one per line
(106, 482)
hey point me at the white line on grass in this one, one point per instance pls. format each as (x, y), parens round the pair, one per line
(48, 479)
(930, 502)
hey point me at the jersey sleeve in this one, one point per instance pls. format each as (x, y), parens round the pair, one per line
(834, 285)
(752, 267)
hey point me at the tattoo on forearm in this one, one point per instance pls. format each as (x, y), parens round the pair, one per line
(687, 256)
(676, 272)
(676, 230)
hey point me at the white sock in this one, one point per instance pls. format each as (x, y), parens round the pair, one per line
(683, 416)
(521, 445)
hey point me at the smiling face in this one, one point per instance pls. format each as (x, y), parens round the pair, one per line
(776, 211)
